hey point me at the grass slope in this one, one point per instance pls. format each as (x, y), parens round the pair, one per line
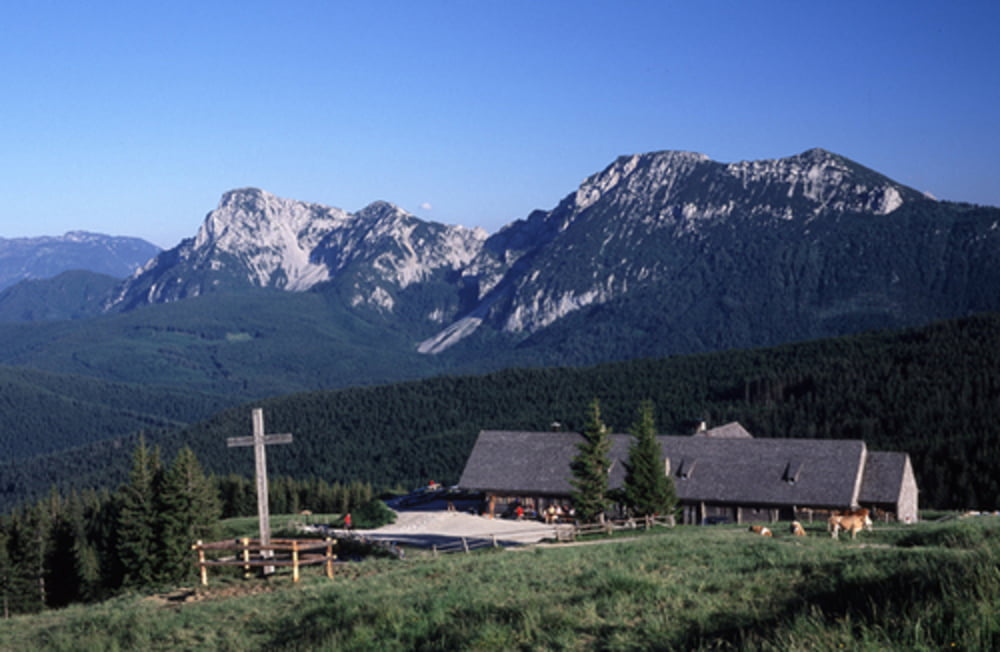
(923, 587)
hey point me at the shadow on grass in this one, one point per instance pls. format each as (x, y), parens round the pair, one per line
(907, 600)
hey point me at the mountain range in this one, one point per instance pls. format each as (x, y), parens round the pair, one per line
(47, 256)
(658, 254)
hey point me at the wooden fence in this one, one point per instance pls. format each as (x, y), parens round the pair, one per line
(564, 533)
(466, 544)
(249, 553)
(609, 526)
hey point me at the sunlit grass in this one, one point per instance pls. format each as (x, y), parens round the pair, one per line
(921, 587)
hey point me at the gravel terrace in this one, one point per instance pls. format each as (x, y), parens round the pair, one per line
(432, 524)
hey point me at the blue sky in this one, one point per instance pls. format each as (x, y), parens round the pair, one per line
(133, 118)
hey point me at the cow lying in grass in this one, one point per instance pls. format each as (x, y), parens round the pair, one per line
(761, 530)
(797, 530)
(852, 521)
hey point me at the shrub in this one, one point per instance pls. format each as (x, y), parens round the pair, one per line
(373, 514)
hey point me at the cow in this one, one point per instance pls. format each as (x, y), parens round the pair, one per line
(852, 521)
(864, 514)
(797, 530)
(761, 530)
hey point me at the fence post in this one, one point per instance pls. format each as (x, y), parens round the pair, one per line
(434, 550)
(329, 558)
(295, 561)
(246, 557)
(494, 540)
(201, 562)
(465, 544)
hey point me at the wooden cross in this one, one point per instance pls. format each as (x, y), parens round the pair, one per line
(259, 441)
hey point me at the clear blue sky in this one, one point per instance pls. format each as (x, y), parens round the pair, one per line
(132, 118)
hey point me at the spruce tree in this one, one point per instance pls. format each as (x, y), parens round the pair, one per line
(27, 545)
(6, 571)
(648, 489)
(590, 468)
(190, 509)
(138, 518)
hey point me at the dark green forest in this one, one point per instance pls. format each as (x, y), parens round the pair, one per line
(241, 345)
(91, 545)
(43, 412)
(933, 392)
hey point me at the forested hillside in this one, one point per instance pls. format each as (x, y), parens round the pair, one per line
(74, 294)
(258, 343)
(43, 412)
(933, 392)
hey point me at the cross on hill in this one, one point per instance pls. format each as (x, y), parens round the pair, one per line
(259, 441)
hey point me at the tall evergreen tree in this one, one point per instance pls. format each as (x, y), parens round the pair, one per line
(590, 468)
(6, 571)
(29, 530)
(138, 520)
(189, 511)
(63, 586)
(648, 489)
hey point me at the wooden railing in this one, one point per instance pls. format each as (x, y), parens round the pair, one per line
(249, 553)
(609, 526)
(564, 532)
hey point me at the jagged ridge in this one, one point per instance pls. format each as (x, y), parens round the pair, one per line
(255, 239)
(660, 224)
(659, 198)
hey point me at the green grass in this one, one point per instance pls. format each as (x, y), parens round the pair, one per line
(925, 587)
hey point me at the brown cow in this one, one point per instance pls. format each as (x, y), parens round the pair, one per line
(761, 530)
(852, 516)
(852, 521)
(797, 530)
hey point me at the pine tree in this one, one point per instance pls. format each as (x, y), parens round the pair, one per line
(27, 546)
(6, 571)
(648, 489)
(590, 468)
(138, 520)
(190, 509)
(63, 586)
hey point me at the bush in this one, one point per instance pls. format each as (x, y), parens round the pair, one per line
(372, 514)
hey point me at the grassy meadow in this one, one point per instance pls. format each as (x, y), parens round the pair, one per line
(929, 586)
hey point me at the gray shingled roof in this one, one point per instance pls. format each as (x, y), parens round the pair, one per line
(883, 477)
(803, 472)
(521, 462)
(728, 431)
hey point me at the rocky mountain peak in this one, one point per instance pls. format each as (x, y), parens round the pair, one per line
(626, 218)
(251, 217)
(257, 239)
(666, 166)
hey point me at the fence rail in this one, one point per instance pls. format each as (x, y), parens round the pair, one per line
(251, 553)
(609, 526)
(563, 533)
(465, 544)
